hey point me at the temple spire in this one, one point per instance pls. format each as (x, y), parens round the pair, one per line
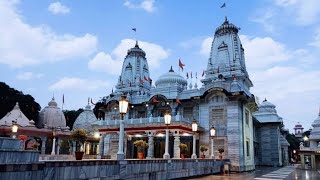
(171, 70)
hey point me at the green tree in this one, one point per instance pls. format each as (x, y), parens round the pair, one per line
(71, 116)
(8, 98)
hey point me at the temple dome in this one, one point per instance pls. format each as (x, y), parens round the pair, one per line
(52, 116)
(170, 78)
(16, 115)
(267, 113)
(226, 27)
(85, 120)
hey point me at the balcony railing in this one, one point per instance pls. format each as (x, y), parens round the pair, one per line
(177, 118)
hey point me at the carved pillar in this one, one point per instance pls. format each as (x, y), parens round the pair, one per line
(151, 144)
(176, 143)
(43, 145)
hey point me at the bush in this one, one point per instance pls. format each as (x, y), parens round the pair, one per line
(203, 148)
(183, 147)
(140, 144)
(79, 135)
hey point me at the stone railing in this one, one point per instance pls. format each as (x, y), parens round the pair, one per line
(302, 148)
(177, 118)
(112, 169)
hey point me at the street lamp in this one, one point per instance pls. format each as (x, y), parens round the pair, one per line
(194, 130)
(96, 135)
(123, 107)
(54, 141)
(14, 129)
(212, 134)
(305, 138)
(167, 121)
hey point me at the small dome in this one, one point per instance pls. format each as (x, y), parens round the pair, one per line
(298, 126)
(266, 104)
(16, 115)
(226, 27)
(53, 103)
(85, 120)
(52, 116)
(171, 78)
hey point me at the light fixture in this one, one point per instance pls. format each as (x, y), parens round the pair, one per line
(194, 126)
(167, 119)
(14, 128)
(96, 135)
(212, 131)
(305, 138)
(123, 105)
(147, 105)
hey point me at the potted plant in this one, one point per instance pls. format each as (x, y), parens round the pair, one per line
(79, 135)
(183, 149)
(203, 149)
(221, 150)
(141, 145)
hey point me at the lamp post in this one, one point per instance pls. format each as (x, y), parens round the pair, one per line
(305, 138)
(54, 141)
(123, 107)
(212, 134)
(167, 121)
(14, 129)
(194, 130)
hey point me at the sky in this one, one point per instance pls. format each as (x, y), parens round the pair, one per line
(75, 48)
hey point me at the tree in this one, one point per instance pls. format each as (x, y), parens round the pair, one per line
(8, 98)
(97, 110)
(71, 116)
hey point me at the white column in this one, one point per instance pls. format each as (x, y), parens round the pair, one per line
(166, 154)
(43, 145)
(53, 146)
(176, 144)
(212, 149)
(120, 154)
(151, 145)
(101, 146)
(73, 147)
(194, 156)
(58, 146)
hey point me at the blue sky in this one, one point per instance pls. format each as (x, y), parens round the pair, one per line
(76, 48)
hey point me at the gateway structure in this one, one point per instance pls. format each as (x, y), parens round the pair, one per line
(224, 100)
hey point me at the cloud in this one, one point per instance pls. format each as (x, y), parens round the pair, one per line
(206, 46)
(147, 5)
(58, 8)
(304, 13)
(112, 63)
(73, 83)
(28, 76)
(23, 44)
(316, 39)
(266, 18)
(263, 52)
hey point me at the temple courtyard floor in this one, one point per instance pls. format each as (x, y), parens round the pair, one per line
(268, 173)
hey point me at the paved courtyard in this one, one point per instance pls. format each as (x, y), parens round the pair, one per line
(269, 173)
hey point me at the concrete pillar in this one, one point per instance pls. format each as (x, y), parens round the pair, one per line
(313, 162)
(58, 146)
(176, 143)
(302, 161)
(43, 145)
(194, 155)
(151, 144)
(166, 154)
(120, 154)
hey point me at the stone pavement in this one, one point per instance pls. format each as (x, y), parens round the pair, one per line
(268, 173)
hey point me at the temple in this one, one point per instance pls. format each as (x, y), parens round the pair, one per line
(224, 101)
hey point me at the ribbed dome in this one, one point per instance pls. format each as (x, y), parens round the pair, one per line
(52, 116)
(85, 120)
(226, 27)
(16, 115)
(171, 78)
(266, 104)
